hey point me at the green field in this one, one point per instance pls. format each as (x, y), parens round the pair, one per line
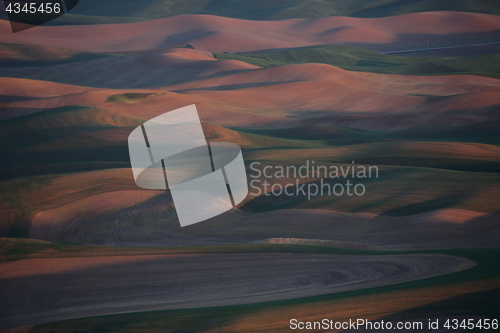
(356, 59)
(18, 55)
(45, 154)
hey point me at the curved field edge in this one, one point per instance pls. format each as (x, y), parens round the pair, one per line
(13, 249)
(259, 317)
(359, 60)
(485, 276)
(343, 56)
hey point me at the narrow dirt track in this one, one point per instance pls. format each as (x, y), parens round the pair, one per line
(36, 291)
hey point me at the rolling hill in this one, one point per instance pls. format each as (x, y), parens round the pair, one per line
(356, 59)
(220, 34)
(114, 11)
(83, 248)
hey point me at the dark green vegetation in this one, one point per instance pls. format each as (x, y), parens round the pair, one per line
(62, 136)
(191, 320)
(340, 136)
(41, 131)
(128, 97)
(356, 59)
(18, 55)
(67, 137)
(20, 249)
(113, 11)
(194, 320)
(46, 149)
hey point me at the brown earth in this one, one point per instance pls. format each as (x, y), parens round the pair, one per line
(233, 94)
(220, 34)
(63, 289)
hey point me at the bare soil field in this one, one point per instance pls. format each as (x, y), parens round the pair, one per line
(234, 94)
(35, 291)
(154, 223)
(220, 34)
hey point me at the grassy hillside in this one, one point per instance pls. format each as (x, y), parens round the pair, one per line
(113, 11)
(345, 57)
(356, 59)
(45, 154)
(339, 136)
(260, 9)
(18, 55)
(65, 159)
(78, 138)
